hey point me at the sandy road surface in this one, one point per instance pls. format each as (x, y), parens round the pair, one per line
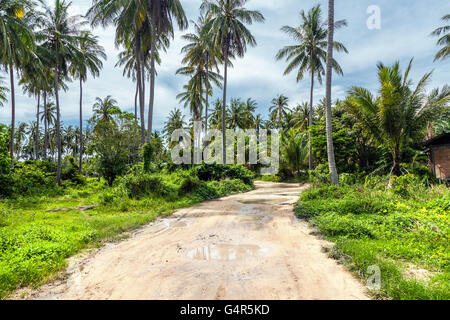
(246, 246)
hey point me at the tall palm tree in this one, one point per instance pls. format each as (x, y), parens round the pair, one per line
(330, 65)
(61, 32)
(88, 61)
(16, 44)
(201, 52)
(310, 53)
(279, 108)
(227, 25)
(161, 13)
(130, 18)
(401, 113)
(444, 40)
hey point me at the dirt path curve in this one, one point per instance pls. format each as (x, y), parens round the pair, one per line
(246, 246)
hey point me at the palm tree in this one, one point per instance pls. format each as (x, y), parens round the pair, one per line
(161, 13)
(62, 35)
(3, 92)
(279, 108)
(201, 52)
(300, 117)
(130, 19)
(249, 109)
(105, 109)
(215, 119)
(227, 26)
(16, 44)
(310, 53)
(88, 61)
(443, 41)
(330, 66)
(294, 148)
(236, 117)
(48, 116)
(175, 120)
(20, 135)
(401, 113)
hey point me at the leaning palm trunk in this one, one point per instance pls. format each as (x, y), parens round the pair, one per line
(58, 129)
(36, 138)
(45, 126)
(224, 106)
(311, 121)
(152, 88)
(81, 126)
(13, 111)
(330, 146)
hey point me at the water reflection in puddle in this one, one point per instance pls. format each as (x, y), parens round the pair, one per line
(226, 252)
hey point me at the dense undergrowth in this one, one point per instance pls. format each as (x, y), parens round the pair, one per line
(34, 242)
(403, 229)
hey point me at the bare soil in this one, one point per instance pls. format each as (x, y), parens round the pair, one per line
(243, 247)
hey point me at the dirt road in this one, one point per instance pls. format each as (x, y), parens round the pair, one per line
(247, 246)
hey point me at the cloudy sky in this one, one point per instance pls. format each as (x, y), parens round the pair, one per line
(405, 33)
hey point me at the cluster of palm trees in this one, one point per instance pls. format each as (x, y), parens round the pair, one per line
(46, 47)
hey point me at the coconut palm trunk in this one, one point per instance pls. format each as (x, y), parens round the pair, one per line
(224, 105)
(58, 128)
(311, 121)
(140, 86)
(152, 86)
(329, 126)
(45, 126)
(13, 111)
(207, 95)
(136, 101)
(81, 126)
(36, 138)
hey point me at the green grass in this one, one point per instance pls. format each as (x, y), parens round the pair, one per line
(403, 230)
(34, 244)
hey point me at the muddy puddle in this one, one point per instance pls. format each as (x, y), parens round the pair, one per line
(264, 201)
(226, 252)
(165, 225)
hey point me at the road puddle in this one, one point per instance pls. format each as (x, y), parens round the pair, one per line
(278, 201)
(165, 225)
(226, 252)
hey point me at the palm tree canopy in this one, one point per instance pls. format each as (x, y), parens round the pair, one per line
(310, 52)
(90, 57)
(444, 39)
(279, 108)
(17, 40)
(400, 113)
(105, 109)
(227, 20)
(175, 120)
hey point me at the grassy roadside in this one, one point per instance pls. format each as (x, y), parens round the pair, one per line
(34, 243)
(404, 231)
